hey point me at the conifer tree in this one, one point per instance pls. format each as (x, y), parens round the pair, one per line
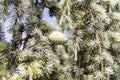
(84, 44)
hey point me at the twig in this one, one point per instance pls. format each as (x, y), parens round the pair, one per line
(100, 52)
(69, 18)
(30, 73)
(62, 16)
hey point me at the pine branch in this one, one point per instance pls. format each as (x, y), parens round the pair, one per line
(100, 54)
(68, 14)
(30, 73)
(62, 16)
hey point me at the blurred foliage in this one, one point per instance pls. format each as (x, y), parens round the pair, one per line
(91, 51)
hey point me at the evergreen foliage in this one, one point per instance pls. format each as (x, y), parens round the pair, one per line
(91, 50)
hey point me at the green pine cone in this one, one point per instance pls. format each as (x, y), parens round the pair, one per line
(57, 37)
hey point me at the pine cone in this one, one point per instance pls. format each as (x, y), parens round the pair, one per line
(57, 37)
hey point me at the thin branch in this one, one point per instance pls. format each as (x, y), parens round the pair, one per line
(100, 52)
(30, 73)
(62, 16)
(69, 18)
